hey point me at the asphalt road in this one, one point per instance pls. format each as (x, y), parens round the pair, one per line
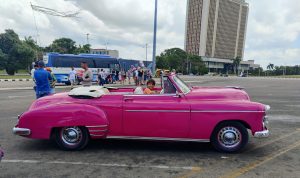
(276, 156)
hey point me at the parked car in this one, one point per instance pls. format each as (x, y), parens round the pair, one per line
(221, 116)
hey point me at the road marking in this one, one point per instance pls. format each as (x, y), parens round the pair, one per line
(257, 163)
(262, 145)
(100, 164)
(194, 170)
(277, 139)
(12, 97)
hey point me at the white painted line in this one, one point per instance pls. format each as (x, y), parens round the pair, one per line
(12, 97)
(99, 164)
(20, 88)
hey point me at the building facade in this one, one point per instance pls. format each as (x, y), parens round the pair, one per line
(216, 30)
(112, 53)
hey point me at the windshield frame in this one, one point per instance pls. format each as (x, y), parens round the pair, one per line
(181, 84)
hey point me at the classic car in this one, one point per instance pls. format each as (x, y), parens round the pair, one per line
(220, 115)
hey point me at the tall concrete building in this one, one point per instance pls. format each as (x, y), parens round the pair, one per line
(216, 30)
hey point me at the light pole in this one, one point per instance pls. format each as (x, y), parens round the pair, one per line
(146, 52)
(154, 39)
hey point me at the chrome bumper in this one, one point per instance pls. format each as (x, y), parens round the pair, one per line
(262, 134)
(21, 131)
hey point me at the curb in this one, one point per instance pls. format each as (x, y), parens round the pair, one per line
(16, 80)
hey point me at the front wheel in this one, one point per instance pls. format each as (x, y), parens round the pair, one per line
(72, 138)
(229, 137)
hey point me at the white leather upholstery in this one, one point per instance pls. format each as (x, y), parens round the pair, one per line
(93, 91)
(138, 91)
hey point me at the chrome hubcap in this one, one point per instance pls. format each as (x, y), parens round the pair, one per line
(229, 137)
(71, 135)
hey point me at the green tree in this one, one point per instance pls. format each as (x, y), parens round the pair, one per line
(197, 65)
(15, 54)
(8, 40)
(161, 63)
(178, 59)
(63, 46)
(83, 49)
(175, 58)
(3, 60)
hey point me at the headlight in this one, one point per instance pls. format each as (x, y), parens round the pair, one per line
(267, 107)
(265, 122)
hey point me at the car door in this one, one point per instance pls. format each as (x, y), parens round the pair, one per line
(163, 115)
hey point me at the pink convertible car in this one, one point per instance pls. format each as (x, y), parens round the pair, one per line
(222, 116)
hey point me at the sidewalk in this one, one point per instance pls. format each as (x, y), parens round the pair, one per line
(15, 80)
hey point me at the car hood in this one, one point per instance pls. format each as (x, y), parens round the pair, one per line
(218, 93)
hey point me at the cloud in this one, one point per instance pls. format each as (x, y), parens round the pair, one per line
(273, 34)
(125, 25)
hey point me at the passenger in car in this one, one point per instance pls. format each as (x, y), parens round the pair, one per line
(150, 87)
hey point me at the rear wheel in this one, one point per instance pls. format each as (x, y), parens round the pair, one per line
(230, 137)
(72, 138)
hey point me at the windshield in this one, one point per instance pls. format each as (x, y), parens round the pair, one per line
(181, 85)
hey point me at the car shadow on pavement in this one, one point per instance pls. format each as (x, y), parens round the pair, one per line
(123, 146)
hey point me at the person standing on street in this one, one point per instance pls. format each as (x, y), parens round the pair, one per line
(52, 82)
(42, 78)
(101, 77)
(87, 76)
(72, 77)
(35, 67)
(113, 75)
(140, 76)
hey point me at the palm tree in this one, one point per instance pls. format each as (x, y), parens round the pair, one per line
(236, 63)
(270, 66)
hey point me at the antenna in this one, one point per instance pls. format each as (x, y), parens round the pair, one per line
(37, 40)
(53, 12)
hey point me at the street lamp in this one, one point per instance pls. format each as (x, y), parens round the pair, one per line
(154, 39)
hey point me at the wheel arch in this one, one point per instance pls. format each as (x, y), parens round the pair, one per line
(244, 123)
(68, 115)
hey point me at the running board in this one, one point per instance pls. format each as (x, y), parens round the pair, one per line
(158, 139)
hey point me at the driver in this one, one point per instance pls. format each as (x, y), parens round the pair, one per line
(150, 87)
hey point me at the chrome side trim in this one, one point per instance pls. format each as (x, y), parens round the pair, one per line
(98, 130)
(95, 135)
(97, 126)
(158, 138)
(209, 111)
(157, 111)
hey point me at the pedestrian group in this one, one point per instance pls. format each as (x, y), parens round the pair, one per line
(44, 79)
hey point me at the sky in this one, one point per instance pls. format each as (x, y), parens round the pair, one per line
(273, 31)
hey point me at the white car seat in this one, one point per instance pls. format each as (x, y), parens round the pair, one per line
(138, 91)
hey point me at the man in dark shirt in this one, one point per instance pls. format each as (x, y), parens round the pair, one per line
(42, 78)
